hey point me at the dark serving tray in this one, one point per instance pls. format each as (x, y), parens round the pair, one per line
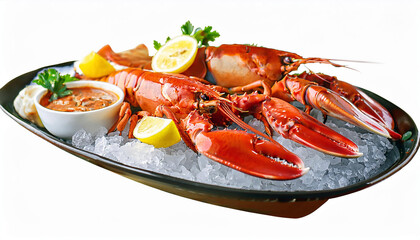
(276, 203)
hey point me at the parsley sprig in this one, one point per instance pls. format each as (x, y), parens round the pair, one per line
(54, 82)
(203, 36)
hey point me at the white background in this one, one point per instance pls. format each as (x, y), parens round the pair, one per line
(46, 193)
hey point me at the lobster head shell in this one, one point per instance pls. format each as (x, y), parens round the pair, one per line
(239, 65)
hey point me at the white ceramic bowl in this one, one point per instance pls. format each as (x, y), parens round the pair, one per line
(66, 124)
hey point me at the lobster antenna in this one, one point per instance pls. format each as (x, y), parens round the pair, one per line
(310, 71)
(325, 60)
(355, 61)
(316, 74)
(226, 110)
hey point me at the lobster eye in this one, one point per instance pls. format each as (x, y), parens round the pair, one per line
(204, 97)
(212, 109)
(287, 60)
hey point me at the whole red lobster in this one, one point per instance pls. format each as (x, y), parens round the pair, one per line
(243, 67)
(196, 108)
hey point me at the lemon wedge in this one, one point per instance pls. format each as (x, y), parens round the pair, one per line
(95, 66)
(159, 132)
(176, 56)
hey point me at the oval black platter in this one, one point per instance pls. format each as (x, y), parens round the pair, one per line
(276, 203)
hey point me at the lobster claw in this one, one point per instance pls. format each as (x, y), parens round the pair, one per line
(296, 125)
(358, 98)
(250, 154)
(332, 104)
(376, 111)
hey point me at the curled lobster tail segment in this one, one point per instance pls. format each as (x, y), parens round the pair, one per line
(249, 154)
(128, 80)
(302, 128)
(137, 57)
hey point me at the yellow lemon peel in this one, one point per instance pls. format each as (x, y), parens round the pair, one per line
(176, 56)
(159, 132)
(95, 66)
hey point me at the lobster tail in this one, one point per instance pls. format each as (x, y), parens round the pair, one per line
(137, 57)
(128, 80)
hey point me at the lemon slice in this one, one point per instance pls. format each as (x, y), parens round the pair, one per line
(176, 56)
(159, 132)
(95, 66)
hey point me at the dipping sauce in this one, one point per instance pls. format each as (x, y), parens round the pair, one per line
(81, 100)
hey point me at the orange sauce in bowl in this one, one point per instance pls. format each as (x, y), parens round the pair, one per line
(82, 99)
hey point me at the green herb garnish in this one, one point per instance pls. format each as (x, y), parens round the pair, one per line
(203, 36)
(406, 136)
(54, 82)
(253, 45)
(187, 28)
(158, 45)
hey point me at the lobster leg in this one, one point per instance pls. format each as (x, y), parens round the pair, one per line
(253, 86)
(243, 151)
(124, 116)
